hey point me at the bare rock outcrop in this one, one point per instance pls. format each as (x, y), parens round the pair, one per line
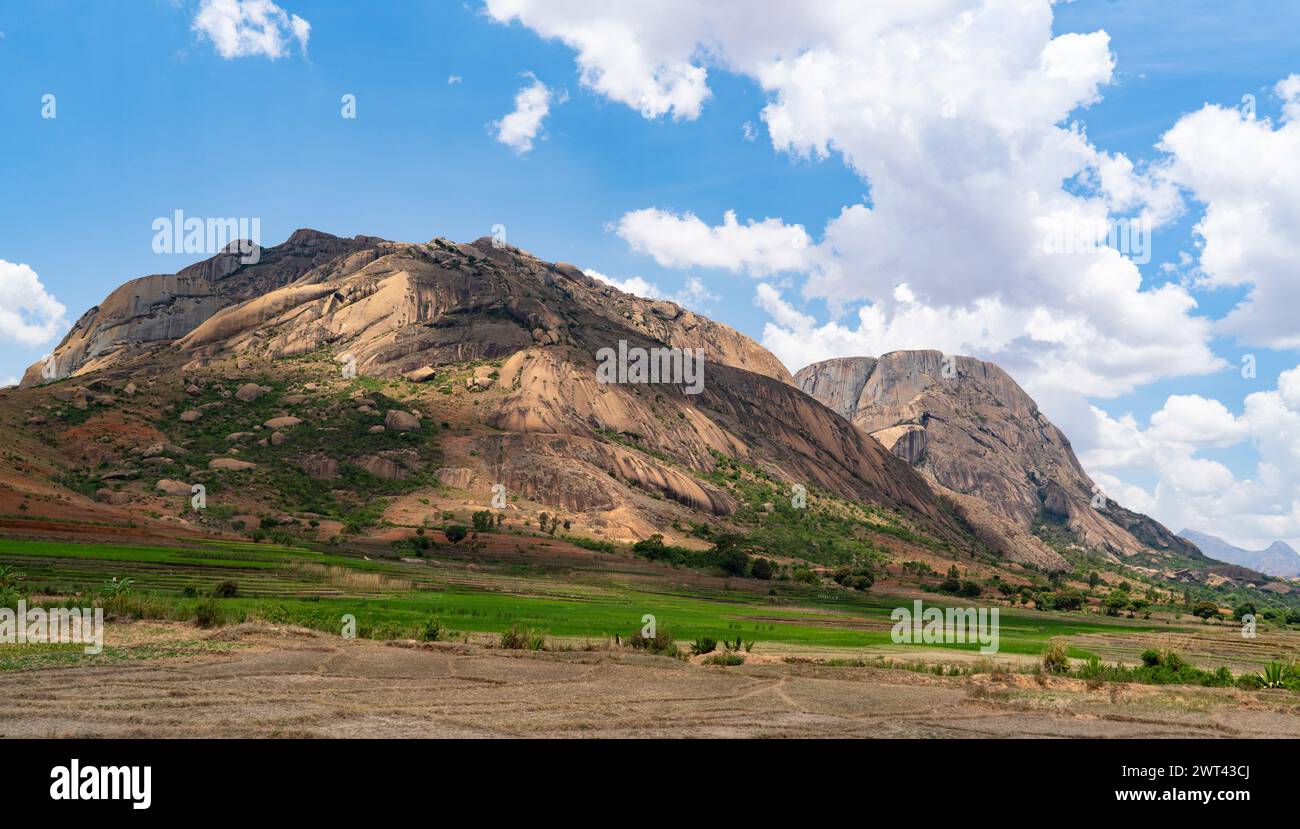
(971, 430)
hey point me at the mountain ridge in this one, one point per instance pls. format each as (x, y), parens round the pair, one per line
(1278, 559)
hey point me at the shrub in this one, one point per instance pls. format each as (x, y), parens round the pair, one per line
(970, 589)
(858, 578)
(727, 659)
(704, 644)
(225, 590)
(803, 575)
(1205, 609)
(483, 521)
(661, 643)
(523, 639)
(1273, 675)
(456, 533)
(1054, 658)
(190, 591)
(207, 614)
(761, 568)
(431, 630)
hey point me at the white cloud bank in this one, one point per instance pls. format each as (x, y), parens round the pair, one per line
(953, 112)
(1201, 493)
(243, 28)
(29, 315)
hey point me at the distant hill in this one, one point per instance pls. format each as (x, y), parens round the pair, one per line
(1278, 559)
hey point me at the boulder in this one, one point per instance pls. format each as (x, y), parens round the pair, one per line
(401, 421)
(283, 422)
(249, 392)
(190, 415)
(230, 463)
(169, 487)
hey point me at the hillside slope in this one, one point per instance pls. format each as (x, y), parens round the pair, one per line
(485, 360)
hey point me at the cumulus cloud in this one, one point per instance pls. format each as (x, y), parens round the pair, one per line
(677, 241)
(1247, 174)
(519, 129)
(1199, 492)
(967, 192)
(29, 315)
(241, 28)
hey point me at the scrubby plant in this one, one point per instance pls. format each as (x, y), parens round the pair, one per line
(704, 644)
(1054, 659)
(523, 639)
(727, 659)
(661, 643)
(207, 614)
(431, 629)
(227, 589)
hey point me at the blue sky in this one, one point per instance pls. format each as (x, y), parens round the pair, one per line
(151, 118)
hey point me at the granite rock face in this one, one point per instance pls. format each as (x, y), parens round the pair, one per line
(970, 429)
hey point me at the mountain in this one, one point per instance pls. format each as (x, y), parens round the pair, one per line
(1278, 559)
(475, 365)
(981, 440)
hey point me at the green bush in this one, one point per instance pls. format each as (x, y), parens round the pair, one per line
(207, 614)
(727, 659)
(662, 643)
(456, 533)
(704, 644)
(225, 590)
(523, 639)
(431, 629)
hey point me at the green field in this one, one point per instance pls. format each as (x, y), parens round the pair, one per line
(391, 598)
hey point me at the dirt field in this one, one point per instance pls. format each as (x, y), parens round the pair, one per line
(259, 681)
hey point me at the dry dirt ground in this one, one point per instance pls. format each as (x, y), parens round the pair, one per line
(261, 681)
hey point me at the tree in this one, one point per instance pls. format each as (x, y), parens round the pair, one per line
(1205, 609)
(1115, 602)
(456, 533)
(761, 568)
(483, 521)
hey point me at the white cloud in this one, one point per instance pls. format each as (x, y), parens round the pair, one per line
(757, 248)
(29, 315)
(240, 28)
(452, 80)
(519, 129)
(748, 131)
(1198, 492)
(966, 188)
(628, 52)
(11, 380)
(1247, 174)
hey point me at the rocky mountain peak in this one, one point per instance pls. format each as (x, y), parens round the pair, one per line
(971, 430)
